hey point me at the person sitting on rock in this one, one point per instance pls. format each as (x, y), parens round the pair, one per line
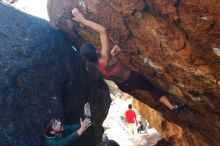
(57, 134)
(110, 69)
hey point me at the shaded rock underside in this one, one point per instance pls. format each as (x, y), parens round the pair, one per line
(41, 77)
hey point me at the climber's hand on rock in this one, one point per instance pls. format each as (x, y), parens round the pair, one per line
(115, 50)
(77, 15)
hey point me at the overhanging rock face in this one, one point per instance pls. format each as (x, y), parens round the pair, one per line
(175, 44)
(41, 76)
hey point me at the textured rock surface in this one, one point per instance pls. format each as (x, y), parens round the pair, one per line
(42, 76)
(173, 43)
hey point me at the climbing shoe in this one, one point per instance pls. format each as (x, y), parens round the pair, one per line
(179, 108)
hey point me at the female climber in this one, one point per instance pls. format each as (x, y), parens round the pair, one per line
(110, 69)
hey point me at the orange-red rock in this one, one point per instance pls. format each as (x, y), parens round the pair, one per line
(171, 42)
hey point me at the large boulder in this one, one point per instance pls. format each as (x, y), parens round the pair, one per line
(175, 44)
(42, 76)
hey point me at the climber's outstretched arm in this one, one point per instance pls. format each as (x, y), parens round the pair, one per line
(105, 51)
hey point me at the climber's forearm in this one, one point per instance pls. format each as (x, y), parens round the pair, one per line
(97, 27)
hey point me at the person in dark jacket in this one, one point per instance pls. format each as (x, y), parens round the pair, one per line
(57, 134)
